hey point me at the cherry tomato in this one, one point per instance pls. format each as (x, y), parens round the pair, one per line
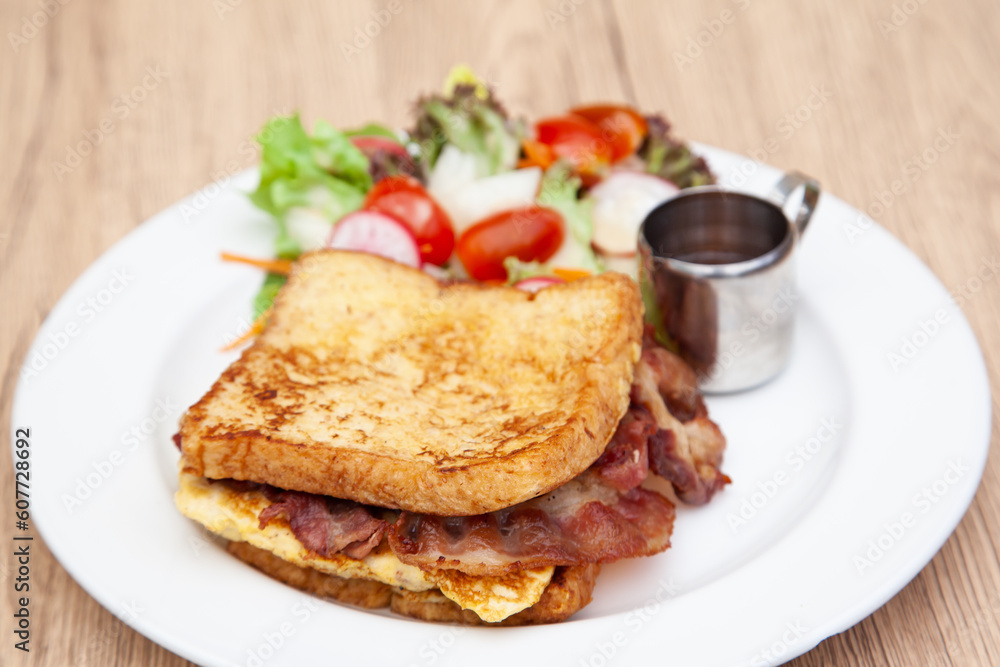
(576, 139)
(530, 233)
(404, 198)
(622, 126)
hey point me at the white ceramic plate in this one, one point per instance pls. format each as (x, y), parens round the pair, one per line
(850, 471)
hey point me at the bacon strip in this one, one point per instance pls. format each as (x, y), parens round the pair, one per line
(624, 464)
(600, 516)
(583, 521)
(687, 454)
(676, 382)
(326, 525)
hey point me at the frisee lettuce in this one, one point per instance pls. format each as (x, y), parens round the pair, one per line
(670, 158)
(468, 117)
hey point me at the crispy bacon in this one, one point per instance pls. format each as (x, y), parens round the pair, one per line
(326, 525)
(600, 516)
(687, 454)
(583, 521)
(624, 464)
(676, 381)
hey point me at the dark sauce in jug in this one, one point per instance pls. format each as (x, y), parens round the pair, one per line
(714, 256)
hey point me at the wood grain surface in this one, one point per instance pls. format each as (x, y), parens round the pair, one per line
(884, 78)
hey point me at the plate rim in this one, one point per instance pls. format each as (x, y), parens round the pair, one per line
(890, 586)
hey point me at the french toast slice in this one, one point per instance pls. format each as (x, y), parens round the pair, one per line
(374, 382)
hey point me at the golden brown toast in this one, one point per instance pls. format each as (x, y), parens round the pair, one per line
(358, 592)
(568, 592)
(234, 514)
(374, 382)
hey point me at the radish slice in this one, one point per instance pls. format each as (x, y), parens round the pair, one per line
(539, 282)
(621, 202)
(378, 234)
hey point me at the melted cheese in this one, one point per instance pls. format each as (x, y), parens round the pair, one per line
(233, 515)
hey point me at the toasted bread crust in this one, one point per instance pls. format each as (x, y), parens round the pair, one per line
(359, 592)
(374, 382)
(569, 591)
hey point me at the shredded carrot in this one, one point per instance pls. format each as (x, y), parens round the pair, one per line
(279, 266)
(571, 274)
(536, 155)
(252, 332)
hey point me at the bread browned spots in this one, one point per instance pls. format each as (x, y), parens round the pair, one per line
(569, 591)
(359, 592)
(374, 382)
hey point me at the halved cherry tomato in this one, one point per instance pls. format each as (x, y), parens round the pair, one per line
(576, 139)
(623, 127)
(404, 198)
(531, 233)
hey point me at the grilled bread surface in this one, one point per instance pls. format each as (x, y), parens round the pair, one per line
(569, 591)
(374, 382)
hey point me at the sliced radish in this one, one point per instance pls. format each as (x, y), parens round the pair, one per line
(621, 202)
(539, 282)
(378, 234)
(369, 145)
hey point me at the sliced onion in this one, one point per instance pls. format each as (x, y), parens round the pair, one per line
(477, 200)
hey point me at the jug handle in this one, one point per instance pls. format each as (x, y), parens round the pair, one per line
(783, 190)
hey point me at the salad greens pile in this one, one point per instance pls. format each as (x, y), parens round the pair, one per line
(308, 182)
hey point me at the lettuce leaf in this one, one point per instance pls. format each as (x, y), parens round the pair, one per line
(559, 190)
(373, 130)
(518, 270)
(265, 296)
(325, 172)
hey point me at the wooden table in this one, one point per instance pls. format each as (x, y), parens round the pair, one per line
(170, 92)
